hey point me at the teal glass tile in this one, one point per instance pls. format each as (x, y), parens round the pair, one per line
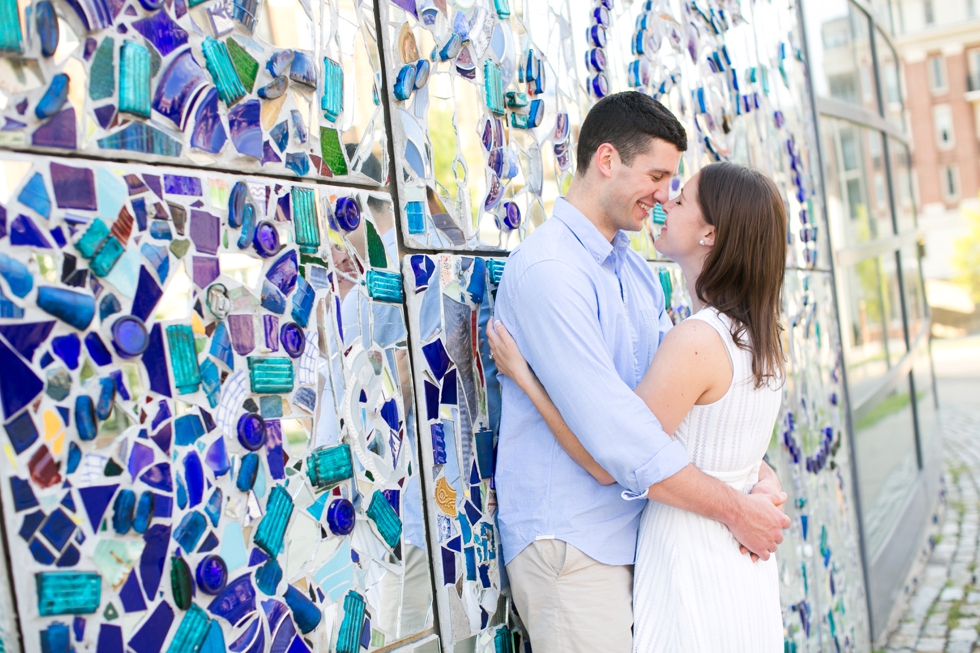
(305, 219)
(222, 70)
(659, 215)
(103, 262)
(192, 631)
(11, 38)
(503, 641)
(102, 74)
(495, 268)
(272, 529)
(68, 592)
(183, 358)
(493, 85)
(92, 239)
(349, 639)
(270, 375)
(503, 8)
(516, 100)
(384, 517)
(385, 286)
(134, 79)
(330, 465)
(332, 100)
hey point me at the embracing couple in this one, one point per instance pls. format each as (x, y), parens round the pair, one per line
(624, 440)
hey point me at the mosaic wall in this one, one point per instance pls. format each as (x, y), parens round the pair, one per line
(240, 412)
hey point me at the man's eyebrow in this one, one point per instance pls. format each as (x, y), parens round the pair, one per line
(661, 171)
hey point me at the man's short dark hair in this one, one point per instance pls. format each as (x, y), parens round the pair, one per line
(627, 121)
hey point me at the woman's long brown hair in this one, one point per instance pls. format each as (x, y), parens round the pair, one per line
(743, 273)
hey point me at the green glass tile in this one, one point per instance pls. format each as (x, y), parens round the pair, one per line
(330, 465)
(222, 70)
(102, 74)
(305, 219)
(103, 262)
(191, 633)
(376, 249)
(270, 375)
(92, 239)
(349, 639)
(11, 38)
(384, 517)
(272, 529)
(183, 358)
(134, 79)
(68, 592)
(245, 65)
(332, 151)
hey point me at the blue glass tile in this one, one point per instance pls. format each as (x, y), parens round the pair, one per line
(141, 137)
(24, 232)
(332, 100)
(22, 494)
(41, 552)
(165, 35)
(385, 286)
(190, 530)
(437, 358)
(270, 375)
(244, 123)
(123, 510)
(144, 512)
(303, 302)
(209, 133)
(18, 277)
(31, 521)
(155, 363)
(280, 135)
(134, 79)
(305, 219)
(152, 634)
(157, 539)
(247, 472)
(35, 195)
(305, 612)
(21, 431)
(74, 308)
(236, 601)
(302, 70)
(222, 71)
(272, 528)
(194, 477)
(341, 516)
(187, 429)
(159, 477)
(54, 97)
(56, 638)
(58, 528)
(96, 499)
(284, 271)
(415, 213)
(267, 576)
(18, 384)
(68, 592)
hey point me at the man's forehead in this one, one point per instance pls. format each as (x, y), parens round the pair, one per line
(662, 156)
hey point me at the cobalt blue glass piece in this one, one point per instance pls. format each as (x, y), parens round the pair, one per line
(266, 239)
(267, 576)
(212, 574)
(129, 336)
(68, 592)
(302, 70)
(422, 68)
(144, 512)
(248, 226)
(284, 271)
(188, 429)
(58, 528)
(280, 135)
(405, 82)
(27, 337)
(599, 85)
(165, 35)
(85, 420)
(107, 395)
(512, 215)
(18, 277)
(251, 431)
(122, 511)
(244, 122)
(236, 601)
(190, 530)
(272, 528)
(303, 302)
(247, 472)
(596, 59)
(341, 516)
(293, 339)
(237, 200)
(535, 113)
(74, 308)
(24, 232)
(56, 638)
(306, 614)
(209, 133)
(22, 432)
(279, 62)
(19, 385)
(54, 98)
(437, 358)
(194, 477)
(347, 213)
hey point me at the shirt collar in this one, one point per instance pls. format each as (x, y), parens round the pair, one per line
(586, 232)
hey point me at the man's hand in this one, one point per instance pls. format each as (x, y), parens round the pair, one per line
(759, 523)
(768, 484)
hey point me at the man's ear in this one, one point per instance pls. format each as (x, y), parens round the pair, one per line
(606, 159)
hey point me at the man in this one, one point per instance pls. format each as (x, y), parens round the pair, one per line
(588, 314)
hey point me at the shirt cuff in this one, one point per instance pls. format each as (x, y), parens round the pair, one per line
(668, 461)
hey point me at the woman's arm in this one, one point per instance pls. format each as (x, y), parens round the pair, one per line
(511, 363)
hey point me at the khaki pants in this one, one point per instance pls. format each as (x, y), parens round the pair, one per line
(570, 603)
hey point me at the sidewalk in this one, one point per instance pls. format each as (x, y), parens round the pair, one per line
(943, 613)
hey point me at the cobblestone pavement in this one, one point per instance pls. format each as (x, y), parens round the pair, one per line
(943, 613)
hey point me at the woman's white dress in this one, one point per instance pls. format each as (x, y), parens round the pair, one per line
(692, 589)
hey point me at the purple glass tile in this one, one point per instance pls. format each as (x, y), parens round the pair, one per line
(209, 134)
(179, 85)
(18, 383)
(148, 293)
(26, 338)
(159, 477)
(244, 121)
(87, 53)
(242, 330)
(257, 557)
(269, 154)
(59, 237)
(24, 232)
(156, 363)
(163, 414)
(74, 188)
(407, 5)
(96, 499)
(274, 612)
(182, 185)
(153, 183)
(163, 506)
(150, 637)
(205, 231)
(206, 270)
(163, 437)
(157, 538)
(283, 212)
(110, 639)
(57, 132)
(236, 602)
(163, 33)
(217, 458)
(139, 459)
(273, 448)
(284, 271)
(131, 594)
(270, 324)
(105, 114)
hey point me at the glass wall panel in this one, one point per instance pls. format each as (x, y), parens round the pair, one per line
(872, 336)
(856, 184)
(902, 184)
(915, 300)
(841, 64)
(883, 15)
(887, 463)
(891, 90)
(925, 404)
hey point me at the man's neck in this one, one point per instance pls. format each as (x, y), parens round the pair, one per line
(586, 201)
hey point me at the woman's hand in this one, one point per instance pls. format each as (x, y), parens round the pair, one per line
(507, 356)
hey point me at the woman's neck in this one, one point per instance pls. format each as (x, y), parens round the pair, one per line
(692, 270)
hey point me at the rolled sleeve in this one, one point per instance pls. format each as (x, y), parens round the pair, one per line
(556, 309)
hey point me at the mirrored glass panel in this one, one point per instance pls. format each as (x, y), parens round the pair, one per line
(891, 90)
(841, 64)
(916, 308)
(902, 184)
(930, 435)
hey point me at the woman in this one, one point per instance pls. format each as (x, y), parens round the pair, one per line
(715, 385)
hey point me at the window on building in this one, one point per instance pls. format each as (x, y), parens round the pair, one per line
(927, 12)
(973, 64)
(942, 118)
(950, 182)
(866, 88)
(880, 191)
(971, 8)
(937, 73)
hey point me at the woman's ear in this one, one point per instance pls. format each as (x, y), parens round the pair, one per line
(709, 237)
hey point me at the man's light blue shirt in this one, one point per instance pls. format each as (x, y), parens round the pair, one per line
(588, 315)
